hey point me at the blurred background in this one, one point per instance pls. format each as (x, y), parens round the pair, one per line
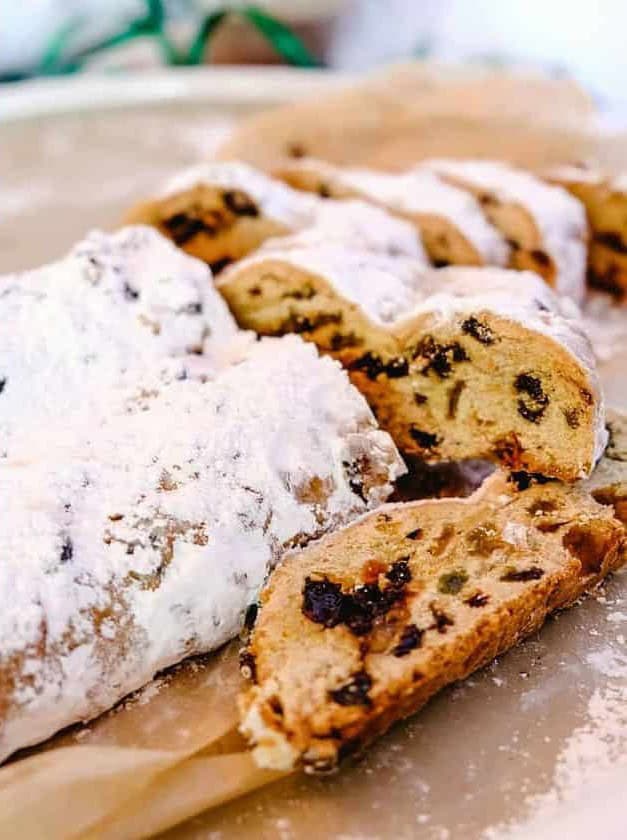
(581, 40)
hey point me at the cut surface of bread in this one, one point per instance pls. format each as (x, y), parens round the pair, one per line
(362, 628)
(544, 225)
(456, 363)
(452, 225)
(221, 212)
(605, 200)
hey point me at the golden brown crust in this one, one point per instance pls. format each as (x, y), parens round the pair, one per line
(363, 628)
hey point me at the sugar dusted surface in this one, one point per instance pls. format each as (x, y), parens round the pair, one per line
(357, 225)
(276, 200)
(422, 192)
(120, 308)
(143, 541)
(560, 218)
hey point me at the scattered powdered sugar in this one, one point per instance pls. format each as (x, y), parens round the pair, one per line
(162, 524)
(560, 218)
(594, 757)
(120, 308)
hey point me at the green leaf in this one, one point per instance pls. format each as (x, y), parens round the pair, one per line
(281, 38)
(208, 26)
(52, 61)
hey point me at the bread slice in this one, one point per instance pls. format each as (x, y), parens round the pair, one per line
(452, 225)
(456, 363)
(360, 629)
(605, 200)
(544, 225)
(221, 212)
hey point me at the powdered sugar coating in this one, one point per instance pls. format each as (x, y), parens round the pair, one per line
(312, 220)
(559, 217)
(118, 308)
(144, 541)
(356, 225)
(276, 200)
(420, 192)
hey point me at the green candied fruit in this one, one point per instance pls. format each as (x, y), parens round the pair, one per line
(452, 583)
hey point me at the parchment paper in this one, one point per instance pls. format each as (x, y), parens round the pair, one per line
(514, 751)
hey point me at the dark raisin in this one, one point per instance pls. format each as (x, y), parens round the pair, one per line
(452, 583)
(426, 440)
(416, 534)
(67, 551)
(440, 356)
(453, 398)
(572, 417)
(373, 366)
(322, 601)
(219, 265)
(523, 575)
(419, 399)
(396, 368)
(303, 323)
(441, 263)
(533, 408)
(370, 363)
(251, 616)
(477, 600)
(540, 257)
(613, 240)
(238, 202)
(354, 692)
(3, 382)
(296, 150)
(478, 330)
(523, 480)
(411, 638)
(324, 191)
(399, 573)
(254, 291)
(248, 665)
(340, 341)
(129, 292)
(486, 199)
(441, 621)
(182, 228)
